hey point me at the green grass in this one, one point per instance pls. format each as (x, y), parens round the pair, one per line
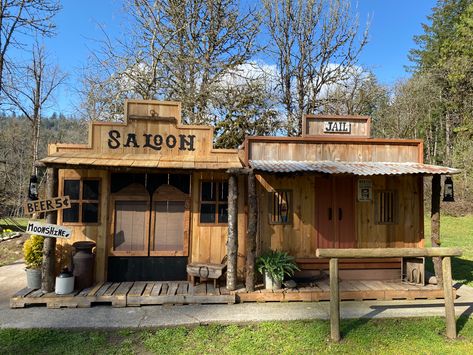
(389, 336)
(6, 223)
(456, 232)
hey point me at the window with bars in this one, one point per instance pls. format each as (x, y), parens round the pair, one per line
(280, 207)
(214, 202)
(386, 207)
(84, 196)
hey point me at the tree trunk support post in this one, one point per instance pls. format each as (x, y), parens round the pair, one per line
(451, 329)
(49, 247)
(251, 236)
(435, 225)
(232, 239)
(334, 301)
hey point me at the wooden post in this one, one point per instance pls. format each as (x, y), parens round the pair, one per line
(49, 248)
(451, 329)
(251, 237)
(435, 225)
(334, 301)
(232, 240)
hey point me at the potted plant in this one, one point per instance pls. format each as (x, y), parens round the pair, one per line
(33, 253)
(274, 265)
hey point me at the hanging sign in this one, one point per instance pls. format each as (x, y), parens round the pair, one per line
(365, 190)
(51, 204)
(337, 127)
(48, 230)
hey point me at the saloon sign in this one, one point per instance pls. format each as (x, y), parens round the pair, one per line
(149, 140)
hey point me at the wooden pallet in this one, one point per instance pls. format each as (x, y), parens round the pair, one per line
(123, 294)
(349, 290)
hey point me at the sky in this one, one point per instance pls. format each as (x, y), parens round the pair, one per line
(393, 23)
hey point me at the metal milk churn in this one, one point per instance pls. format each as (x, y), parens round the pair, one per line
(83, 261)
(64, 282)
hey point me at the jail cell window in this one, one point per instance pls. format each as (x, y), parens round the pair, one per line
(280, 207)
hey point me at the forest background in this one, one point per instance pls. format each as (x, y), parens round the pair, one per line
(206, 54)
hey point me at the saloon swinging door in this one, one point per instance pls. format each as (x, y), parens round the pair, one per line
(149, 232)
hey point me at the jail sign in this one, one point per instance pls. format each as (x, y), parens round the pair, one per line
(337, 127)
(48, 230)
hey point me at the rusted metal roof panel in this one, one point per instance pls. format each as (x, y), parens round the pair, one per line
(355, 168)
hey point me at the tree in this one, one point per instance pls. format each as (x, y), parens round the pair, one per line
(315, 44)
(30, 88)
(173, 50)
(19, 18)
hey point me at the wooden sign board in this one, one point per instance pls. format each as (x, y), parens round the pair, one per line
(48, 230)
(52, 204)
(365, 190)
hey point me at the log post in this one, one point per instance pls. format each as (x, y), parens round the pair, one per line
(251, 237)
(435, 225)
(334, 301)
(451, 329)
(49, 248)
(232, 240)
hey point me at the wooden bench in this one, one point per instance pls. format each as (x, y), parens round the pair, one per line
(205, 271)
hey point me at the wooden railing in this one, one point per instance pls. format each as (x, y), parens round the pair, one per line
(335, 254)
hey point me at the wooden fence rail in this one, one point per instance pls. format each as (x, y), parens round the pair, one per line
(335, 254)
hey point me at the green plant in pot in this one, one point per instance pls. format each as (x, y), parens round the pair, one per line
(33, 254)
(274, 265)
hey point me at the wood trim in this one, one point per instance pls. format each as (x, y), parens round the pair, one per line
(331, 139)
(81, 201)
(338, 117)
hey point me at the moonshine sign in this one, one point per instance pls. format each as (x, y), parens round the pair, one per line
(150, 140)
(337, 127)
(48, 230)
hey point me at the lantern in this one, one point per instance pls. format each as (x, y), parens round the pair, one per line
(448, 195)
(33, 188)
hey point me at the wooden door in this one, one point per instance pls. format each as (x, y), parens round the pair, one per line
(335, 212)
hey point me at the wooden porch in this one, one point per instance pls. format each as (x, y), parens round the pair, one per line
(140, 293)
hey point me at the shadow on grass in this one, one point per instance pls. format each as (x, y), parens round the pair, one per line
(348, 325)
(462, 269)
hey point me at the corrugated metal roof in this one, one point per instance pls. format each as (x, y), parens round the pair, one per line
(355, 168)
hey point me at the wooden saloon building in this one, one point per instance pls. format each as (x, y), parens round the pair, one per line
(155, 196)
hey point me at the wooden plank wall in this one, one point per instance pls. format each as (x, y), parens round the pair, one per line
(409, 231)
(96, 233)
(341, 151)
(208, 242)
(300, 237)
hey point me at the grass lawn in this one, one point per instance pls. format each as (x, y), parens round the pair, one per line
(390, 336)
(456, 232)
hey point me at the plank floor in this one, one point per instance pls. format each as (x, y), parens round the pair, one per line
(126, 294)
(138, 293)
(349, 290)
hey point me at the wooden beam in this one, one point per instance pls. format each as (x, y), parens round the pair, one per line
(49, 248)
(334, 301)
(239, 171)
(386, 252)
(232, 239)
(435, 225)
(251, 236)
(451, 329)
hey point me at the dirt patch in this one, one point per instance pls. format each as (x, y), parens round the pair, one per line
(12, 250)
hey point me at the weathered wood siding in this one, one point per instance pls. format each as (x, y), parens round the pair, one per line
(408, 231)
(94, 232)
(208, 241)
(314, 149)
(300, 237)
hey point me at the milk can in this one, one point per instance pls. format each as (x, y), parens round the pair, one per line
(64, 282)
(83, 261)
